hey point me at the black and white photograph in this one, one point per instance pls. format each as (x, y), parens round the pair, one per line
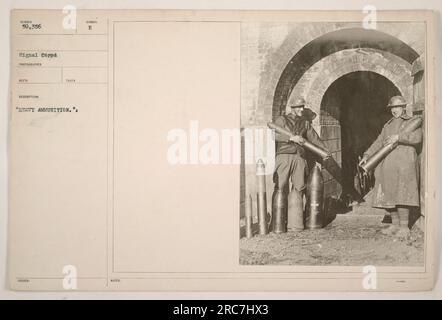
(333, 160)
(269, 151)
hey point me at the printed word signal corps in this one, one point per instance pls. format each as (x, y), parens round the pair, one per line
(47, 55)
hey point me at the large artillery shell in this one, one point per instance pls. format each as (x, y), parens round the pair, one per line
(295, 212)
(380, 154)
(315, 149)
(249, 231)
(377, 157)
(279, 212)
(315, 199)
(308, 145)
(262, 197)
(279, 129)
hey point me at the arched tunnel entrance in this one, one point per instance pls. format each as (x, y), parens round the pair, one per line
(330, 43)
(353, 112)
(347, 77)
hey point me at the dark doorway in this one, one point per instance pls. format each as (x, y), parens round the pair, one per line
(355, 103)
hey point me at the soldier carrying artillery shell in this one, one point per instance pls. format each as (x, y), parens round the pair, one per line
(396, 176)
(291, 163)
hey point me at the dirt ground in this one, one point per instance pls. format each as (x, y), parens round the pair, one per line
(350, 239)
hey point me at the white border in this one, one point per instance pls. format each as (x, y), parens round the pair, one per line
(6, 5)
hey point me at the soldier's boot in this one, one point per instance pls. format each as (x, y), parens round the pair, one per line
(395, 224)
(404, 231)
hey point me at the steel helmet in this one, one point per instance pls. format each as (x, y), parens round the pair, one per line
(397, 101)
(298, 103)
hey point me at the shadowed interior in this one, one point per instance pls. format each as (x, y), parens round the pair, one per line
(353, 112)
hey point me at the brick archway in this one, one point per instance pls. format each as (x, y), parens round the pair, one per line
(352, 114)
(328, 44)
(315, 82)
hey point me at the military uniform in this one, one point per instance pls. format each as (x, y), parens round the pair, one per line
(396, 186)
(397, 175)
(290, 162)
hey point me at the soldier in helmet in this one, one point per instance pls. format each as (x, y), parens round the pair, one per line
(396, 177)
(290, 162)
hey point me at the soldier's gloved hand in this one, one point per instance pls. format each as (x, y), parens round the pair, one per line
(364, 159)
(391, 139)
(297, 139)
(328, 156)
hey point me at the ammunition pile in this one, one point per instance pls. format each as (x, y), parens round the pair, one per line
(287, 210)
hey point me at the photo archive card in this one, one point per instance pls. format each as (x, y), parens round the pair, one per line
(174, 150)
